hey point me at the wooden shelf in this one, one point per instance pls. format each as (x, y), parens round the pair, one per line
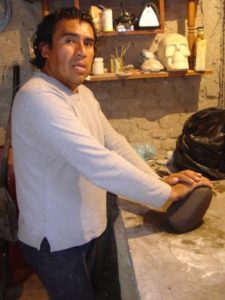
(142, 75)
(132, 32)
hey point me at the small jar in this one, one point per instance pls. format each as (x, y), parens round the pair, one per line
(200, 51)
(98, 66)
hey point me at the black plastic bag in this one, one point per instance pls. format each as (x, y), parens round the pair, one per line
(201, 146)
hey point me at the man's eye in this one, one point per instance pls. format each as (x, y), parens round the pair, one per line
(69, 41)
(89, 43)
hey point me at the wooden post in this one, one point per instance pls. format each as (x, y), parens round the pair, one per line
(45, 7)
(191, 13)
(162, 15)
(76, 3)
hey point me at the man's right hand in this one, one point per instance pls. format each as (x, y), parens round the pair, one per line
(181, 189)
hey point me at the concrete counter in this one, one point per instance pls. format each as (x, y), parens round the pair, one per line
(156, 264)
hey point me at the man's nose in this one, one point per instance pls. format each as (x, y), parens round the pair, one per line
(81, 49)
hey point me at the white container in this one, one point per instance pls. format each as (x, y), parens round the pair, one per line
(98, 66)
(200, 51)
(107, 20)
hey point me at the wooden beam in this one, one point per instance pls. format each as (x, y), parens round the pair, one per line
(76, 3)
(191, 13)
(45, 7)
(162, 15)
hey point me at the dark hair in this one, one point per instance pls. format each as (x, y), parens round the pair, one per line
(46, 28)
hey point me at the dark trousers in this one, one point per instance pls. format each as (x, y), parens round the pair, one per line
(65, 274)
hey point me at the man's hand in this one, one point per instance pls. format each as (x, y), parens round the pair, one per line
(182, 189)
(187, 176)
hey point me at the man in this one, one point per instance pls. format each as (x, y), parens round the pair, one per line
(67, 156)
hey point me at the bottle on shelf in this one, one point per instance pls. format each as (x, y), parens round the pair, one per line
(107, 20)
(200, 50)
(98, 66)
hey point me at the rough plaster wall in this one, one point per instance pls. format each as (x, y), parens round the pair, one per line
(152, 110)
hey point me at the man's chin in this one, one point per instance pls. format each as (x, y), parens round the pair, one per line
(80, 75)
(79, 80)
(82, 78)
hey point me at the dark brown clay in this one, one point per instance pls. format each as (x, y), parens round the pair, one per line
(187, 214)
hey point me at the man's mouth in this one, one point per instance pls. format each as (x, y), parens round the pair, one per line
(79, 67)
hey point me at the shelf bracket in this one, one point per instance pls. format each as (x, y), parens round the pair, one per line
(46, 6)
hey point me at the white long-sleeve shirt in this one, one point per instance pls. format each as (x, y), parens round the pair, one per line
(66, 156)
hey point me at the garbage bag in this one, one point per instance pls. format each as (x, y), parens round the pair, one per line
(201, 146)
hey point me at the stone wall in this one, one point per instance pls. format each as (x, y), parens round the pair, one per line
(150, 110)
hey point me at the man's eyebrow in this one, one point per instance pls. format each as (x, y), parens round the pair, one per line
(87, 38)
(70, 33)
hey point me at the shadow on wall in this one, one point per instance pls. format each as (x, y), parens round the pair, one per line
(150, 98)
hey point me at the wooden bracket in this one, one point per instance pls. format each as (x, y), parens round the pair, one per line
(46, 6)
(76, 3)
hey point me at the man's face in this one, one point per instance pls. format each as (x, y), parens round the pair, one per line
(69, 58)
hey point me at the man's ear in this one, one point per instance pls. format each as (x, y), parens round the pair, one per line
(44, 49)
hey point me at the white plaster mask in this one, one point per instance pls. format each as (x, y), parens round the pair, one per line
(173, 52)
